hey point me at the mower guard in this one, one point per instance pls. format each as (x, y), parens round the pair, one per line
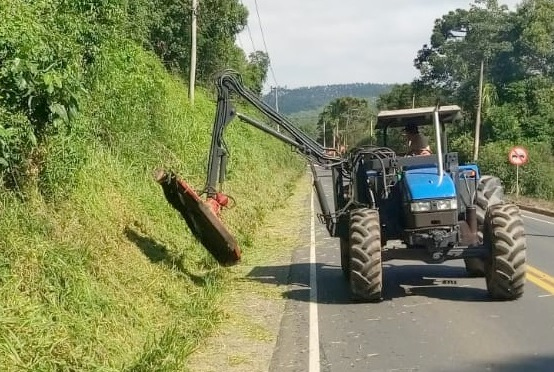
(204, 224)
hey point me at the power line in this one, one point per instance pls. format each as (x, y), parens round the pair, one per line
(249, 34)
(251, 39)
(265, 44)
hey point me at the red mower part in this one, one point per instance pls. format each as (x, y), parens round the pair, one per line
(217, 202)
(201, 217)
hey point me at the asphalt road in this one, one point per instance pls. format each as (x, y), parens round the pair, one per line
(433, 317)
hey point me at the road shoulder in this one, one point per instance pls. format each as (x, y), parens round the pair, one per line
(254, 304)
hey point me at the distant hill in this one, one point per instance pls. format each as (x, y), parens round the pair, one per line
(314, 98)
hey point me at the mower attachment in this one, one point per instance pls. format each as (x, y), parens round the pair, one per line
(201, 218)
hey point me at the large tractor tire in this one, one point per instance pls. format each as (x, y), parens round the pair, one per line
(366, 269)
(345, 257)
(489, 192)
(504, 234)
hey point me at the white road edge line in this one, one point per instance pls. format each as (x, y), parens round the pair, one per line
(314, 325)
(538, 219)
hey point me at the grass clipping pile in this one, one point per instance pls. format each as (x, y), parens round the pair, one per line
(253, 307)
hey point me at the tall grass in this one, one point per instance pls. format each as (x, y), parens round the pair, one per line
(97, 272)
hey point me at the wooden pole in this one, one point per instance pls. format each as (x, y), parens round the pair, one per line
(478, 116)
(517, 182)
(324, 135)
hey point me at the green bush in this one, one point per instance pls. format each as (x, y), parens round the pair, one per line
(15, 133)
(536, 178)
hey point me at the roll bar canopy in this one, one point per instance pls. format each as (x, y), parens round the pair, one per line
(417, 116)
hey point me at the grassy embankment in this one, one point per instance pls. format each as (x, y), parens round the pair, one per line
(96, 270)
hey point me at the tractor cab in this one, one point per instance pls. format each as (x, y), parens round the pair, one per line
(429, 193)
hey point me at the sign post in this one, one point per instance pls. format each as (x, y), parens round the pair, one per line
(518, 156)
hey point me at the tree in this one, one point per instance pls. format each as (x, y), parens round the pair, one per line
(346, 120)
(256, 71)
(403, 96)
(463, 44)
(536, 37)
(219, 21)
(460, 41)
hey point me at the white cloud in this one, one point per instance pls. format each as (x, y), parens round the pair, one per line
(318, 42)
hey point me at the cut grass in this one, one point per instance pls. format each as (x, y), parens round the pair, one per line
(254, 300)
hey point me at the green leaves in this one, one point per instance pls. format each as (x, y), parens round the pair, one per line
(16, 139)
(517, 48)
(60, 112)
(518, 52)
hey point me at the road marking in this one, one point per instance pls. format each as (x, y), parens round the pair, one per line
(314, 325)
(538, 219)
(540, 279)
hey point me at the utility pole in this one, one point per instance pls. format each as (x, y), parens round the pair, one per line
(193, 53)
(324, 134)
(275, 91)
(335, 134)
(371, 130)
(478, 118)
(276, 98)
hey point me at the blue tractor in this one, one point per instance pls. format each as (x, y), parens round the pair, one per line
(439, 209)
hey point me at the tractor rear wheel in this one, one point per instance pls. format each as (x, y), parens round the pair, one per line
(366, 270)
(489, 192)
(504, 234)
(345, 257)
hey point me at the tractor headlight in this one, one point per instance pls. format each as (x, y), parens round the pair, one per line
(422, 206)
(434, 205)
(447, 204)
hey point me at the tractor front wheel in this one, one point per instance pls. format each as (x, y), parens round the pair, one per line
(505, 236)
(366, 271)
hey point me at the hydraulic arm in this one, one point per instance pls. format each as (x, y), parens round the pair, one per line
(230, 82)
(202, 217)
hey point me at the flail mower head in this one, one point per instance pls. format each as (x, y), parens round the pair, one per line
(202, 217)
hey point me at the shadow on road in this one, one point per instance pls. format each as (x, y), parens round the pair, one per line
(433, 281)
(531, 363)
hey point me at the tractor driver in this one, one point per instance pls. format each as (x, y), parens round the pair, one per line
(418, 144)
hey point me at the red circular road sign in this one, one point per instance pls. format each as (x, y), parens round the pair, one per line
(518, 156)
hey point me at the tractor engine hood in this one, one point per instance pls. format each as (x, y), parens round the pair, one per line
(423, 184)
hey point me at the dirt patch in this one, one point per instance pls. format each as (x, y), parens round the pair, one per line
(545, 207)
(254, 304)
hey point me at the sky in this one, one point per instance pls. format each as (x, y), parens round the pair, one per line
(320, 42)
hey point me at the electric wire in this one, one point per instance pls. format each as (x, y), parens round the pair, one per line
(251, 38)
(249, 32)
(264, 42)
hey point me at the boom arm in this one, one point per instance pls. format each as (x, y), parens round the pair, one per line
(230, 82)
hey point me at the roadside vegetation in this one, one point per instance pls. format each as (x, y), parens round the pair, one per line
(97, 271)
